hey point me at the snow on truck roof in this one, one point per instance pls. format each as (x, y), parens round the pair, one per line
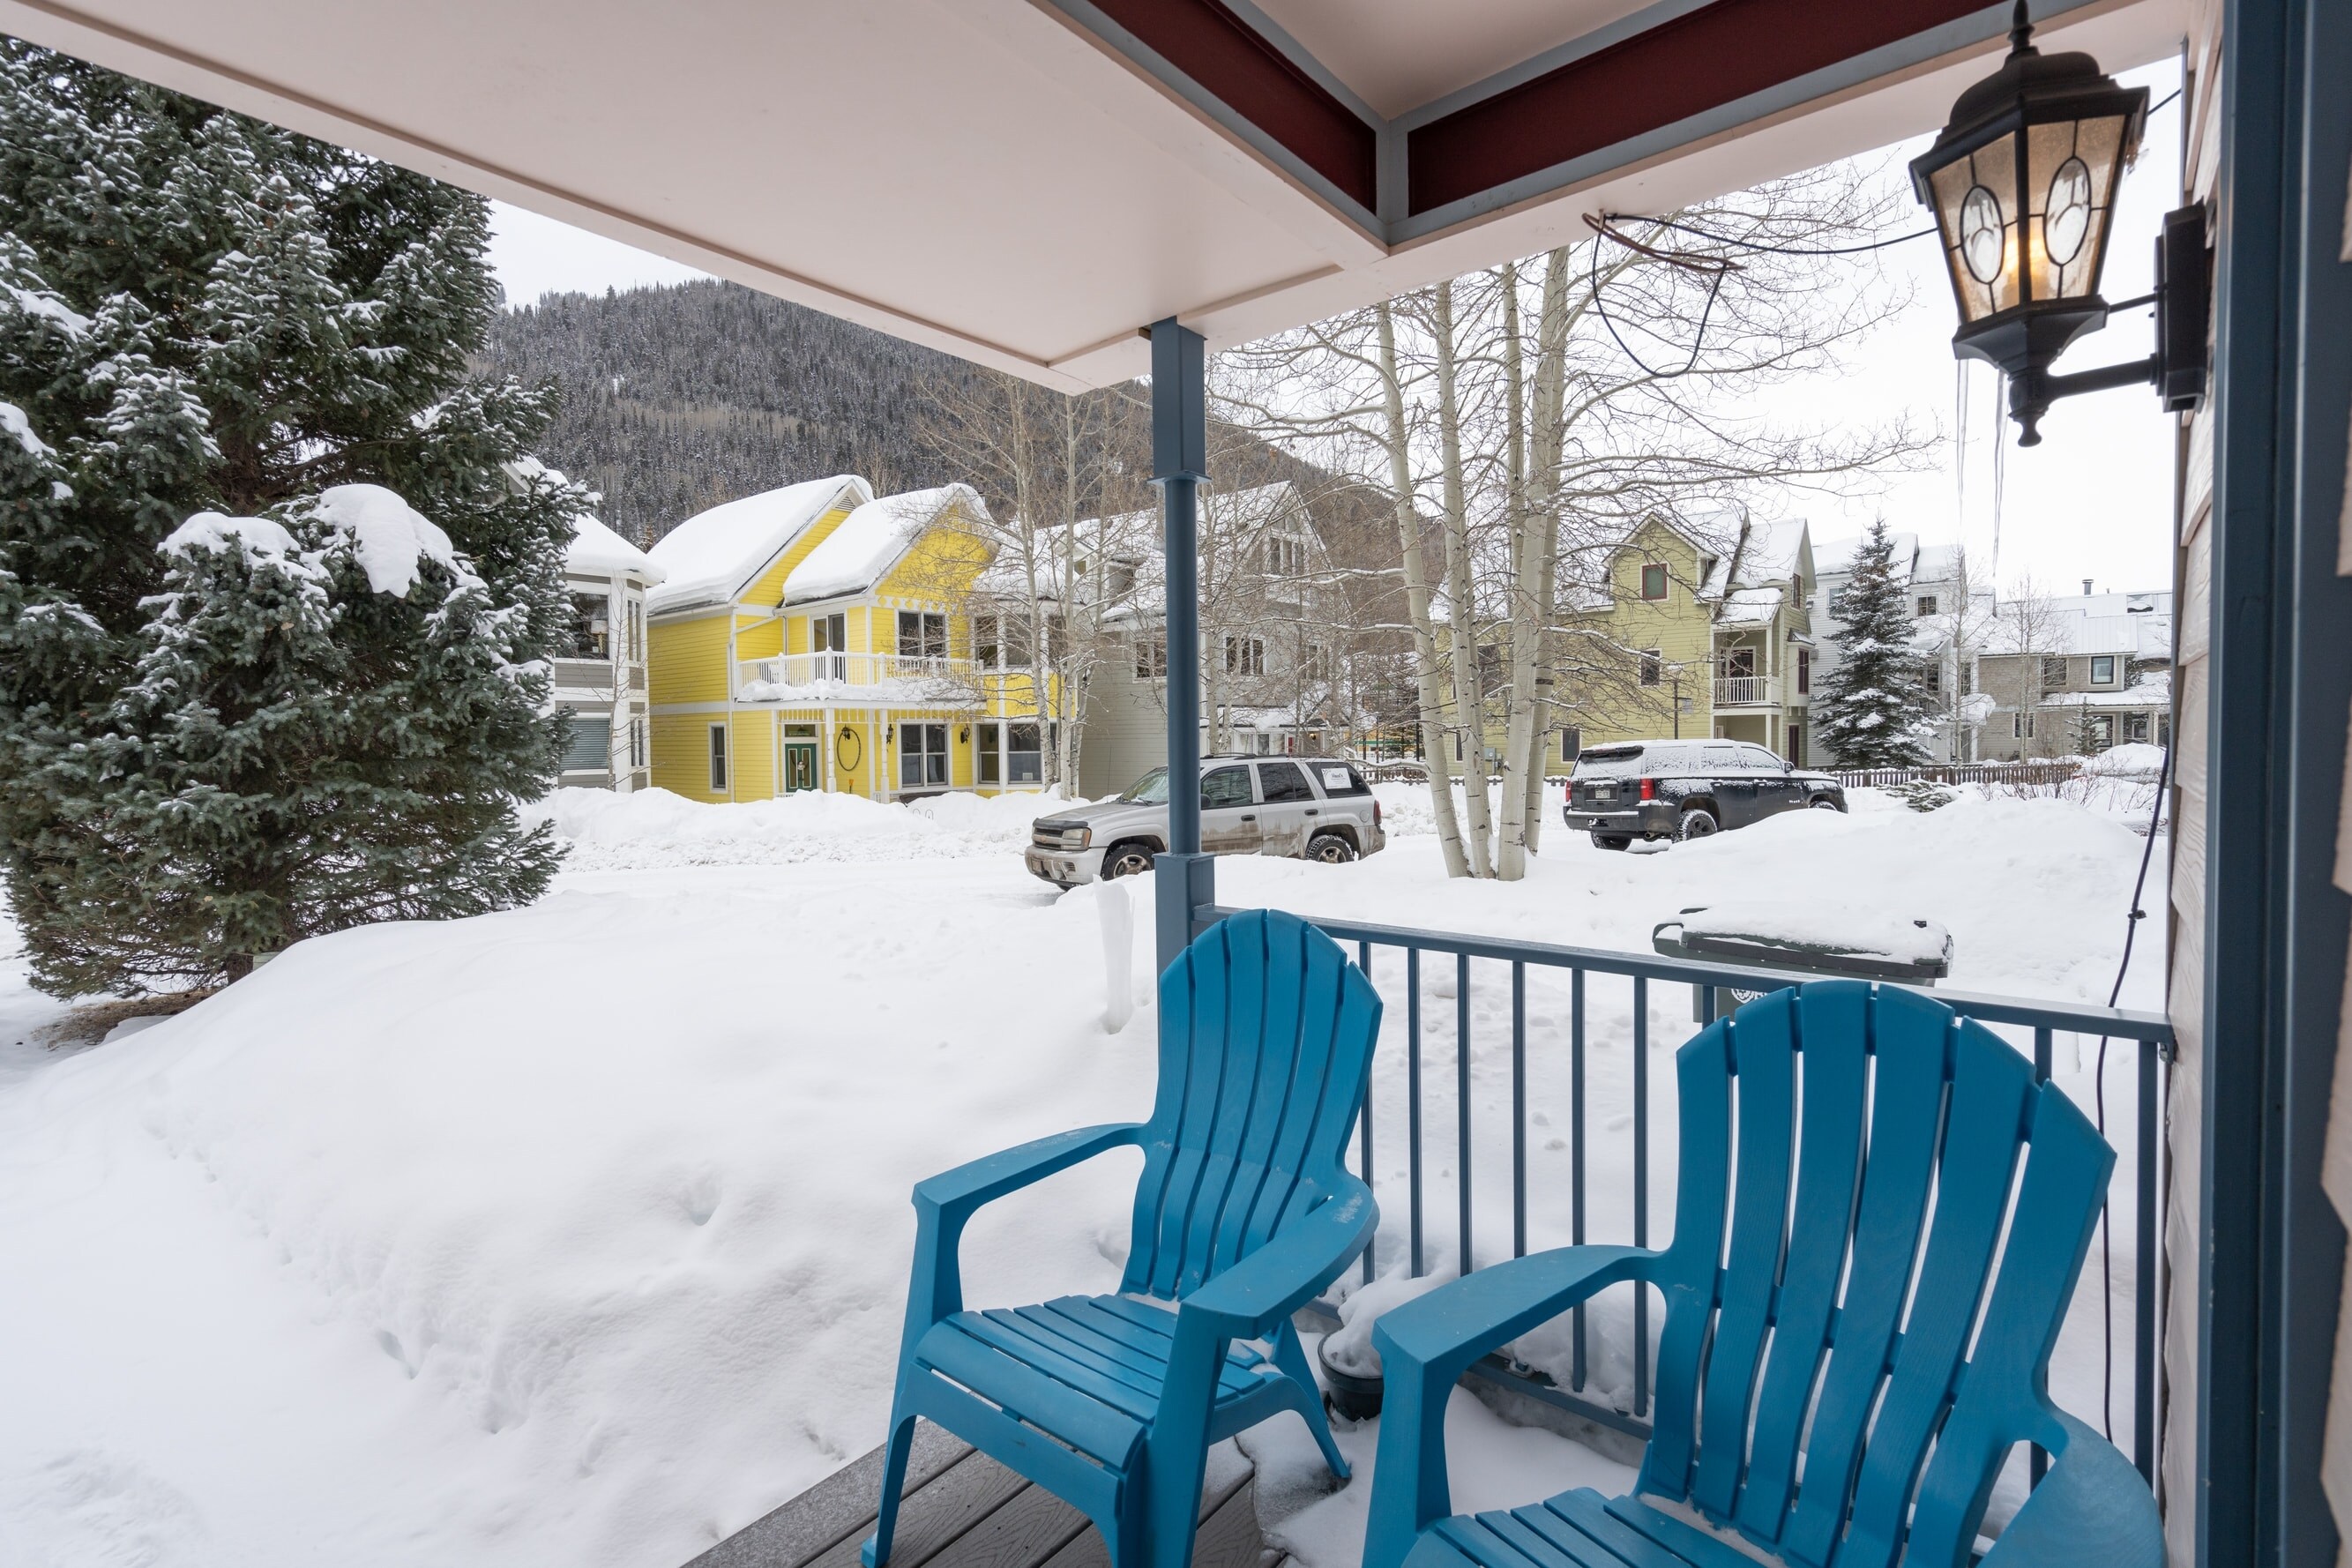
(715, 555)
(869, 541)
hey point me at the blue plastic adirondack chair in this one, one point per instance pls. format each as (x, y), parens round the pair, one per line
(1817, 1391)
(1242, 1217)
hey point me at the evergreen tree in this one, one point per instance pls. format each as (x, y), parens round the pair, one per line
(1875, 710)
(248, 693)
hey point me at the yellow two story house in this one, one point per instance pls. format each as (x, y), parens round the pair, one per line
(820, 637)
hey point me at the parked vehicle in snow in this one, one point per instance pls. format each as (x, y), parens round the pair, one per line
(1687, 789)
(1317, 808)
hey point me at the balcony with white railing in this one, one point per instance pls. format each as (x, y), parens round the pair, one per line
(857, 677)
(1747, 691)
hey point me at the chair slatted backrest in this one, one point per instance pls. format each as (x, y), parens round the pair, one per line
(1835, 1379)
(1265, 1038)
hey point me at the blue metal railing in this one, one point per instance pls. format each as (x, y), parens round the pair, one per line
(2151, 1034)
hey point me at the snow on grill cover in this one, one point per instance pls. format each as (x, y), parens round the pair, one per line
(1823, 928)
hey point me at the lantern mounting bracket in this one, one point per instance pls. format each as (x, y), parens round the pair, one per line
(2183, 298)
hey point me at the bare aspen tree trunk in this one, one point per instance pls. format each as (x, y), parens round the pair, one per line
(1429, 687)
(1469, 705)
(1536, 564)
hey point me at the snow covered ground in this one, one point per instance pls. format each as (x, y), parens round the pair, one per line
(578, 1234)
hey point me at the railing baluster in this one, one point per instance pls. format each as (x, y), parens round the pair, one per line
(2144, 1189)
(1576, 1158)
(1364, 1120)
(2150, 1032)
(1412, 1095)
(1641, 1185)
(1518, 1110)
(1462, 1100)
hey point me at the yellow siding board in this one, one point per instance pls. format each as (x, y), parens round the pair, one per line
(768, 587)
(759, 638)
(687, 660)
(753, 747)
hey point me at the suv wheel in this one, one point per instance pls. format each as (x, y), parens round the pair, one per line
(1127, 860)
(1823, 802)
(1610, 841)
(1331, 848)
(1698, 823)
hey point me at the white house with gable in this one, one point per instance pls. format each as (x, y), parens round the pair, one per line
(600, 665)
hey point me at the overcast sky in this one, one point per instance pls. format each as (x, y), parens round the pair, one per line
(2093, 500)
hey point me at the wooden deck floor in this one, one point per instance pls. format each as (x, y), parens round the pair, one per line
(964, 1510)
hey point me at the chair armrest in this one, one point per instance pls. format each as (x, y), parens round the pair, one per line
(1428, 1342)
(945, 1201)
(968, 1186)
(1254, 1295)
(2092, 1508)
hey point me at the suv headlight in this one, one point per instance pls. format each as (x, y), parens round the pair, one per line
(1076, 837)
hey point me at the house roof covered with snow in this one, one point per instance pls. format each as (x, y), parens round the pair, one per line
(597, 551)
(2136, 626)
(1834, 557)
(714, 555)
(872, 539)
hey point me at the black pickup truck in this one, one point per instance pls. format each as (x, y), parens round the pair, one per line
(1687, 789)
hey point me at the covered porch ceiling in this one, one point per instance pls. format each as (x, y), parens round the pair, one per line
(1027, 182)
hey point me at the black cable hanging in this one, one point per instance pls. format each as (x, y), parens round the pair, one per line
(2099, 1088)
(1717, 266)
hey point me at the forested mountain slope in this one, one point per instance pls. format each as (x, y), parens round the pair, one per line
(678, 398)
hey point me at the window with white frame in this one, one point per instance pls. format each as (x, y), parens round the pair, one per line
(637, 744)
(1024, 753)
(2021, 726)
(1244, 656)
(922, 756)
(1652, 666)
(922, 635)
(1926, 603)
(1150, 655)
(984, 648)
(719, 759)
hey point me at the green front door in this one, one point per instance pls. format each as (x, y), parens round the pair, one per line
(800, 766)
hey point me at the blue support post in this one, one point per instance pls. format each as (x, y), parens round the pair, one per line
(1180, 462)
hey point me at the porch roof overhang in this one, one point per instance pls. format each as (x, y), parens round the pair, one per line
(1026, 183)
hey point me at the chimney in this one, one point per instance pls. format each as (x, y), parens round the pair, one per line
(2086, 588)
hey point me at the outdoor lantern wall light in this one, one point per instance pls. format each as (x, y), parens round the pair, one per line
(2023, 182)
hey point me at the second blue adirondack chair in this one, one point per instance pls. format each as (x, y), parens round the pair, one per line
(1242, 1215)
(1839, 1377)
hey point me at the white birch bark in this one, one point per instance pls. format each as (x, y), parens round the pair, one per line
(1462, 639)
(1429, 685)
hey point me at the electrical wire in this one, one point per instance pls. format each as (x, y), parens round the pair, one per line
(2099, 1082)
(1740, 244)
(1715, 266)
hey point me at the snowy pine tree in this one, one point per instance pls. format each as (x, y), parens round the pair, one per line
(1873, 709)
(248, 693)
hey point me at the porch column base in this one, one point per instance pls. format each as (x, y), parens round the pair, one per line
(1186, 882)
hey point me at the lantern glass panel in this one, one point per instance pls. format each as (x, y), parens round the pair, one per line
(2071, 171)
(1976, 209)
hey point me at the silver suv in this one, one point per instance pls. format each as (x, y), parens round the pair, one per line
(1311, 807)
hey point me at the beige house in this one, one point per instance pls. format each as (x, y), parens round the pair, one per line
(2074, 675)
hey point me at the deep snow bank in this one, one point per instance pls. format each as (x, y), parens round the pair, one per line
(654, 828)
(580, 1234)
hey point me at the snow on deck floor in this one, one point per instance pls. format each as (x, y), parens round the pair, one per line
(580, 1234)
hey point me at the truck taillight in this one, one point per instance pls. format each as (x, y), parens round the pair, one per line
(1376, 813)
(1649, 789)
